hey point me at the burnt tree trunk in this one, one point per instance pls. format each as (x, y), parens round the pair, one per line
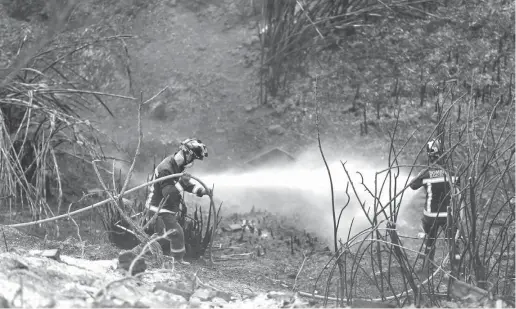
(355, 98)
(378, 109)
(509, 99)
(397, 97)
(365, 120)
(395, 91)
(422, 89)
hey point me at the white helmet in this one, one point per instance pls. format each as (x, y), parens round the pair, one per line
(434, 149)
(194, 147)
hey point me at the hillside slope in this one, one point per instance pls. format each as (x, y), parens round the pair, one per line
(211, 78)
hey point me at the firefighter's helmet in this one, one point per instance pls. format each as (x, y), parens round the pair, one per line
(434, 149)
(195, 148)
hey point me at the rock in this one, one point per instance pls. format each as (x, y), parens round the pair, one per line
(260, 301)
(247, 63)
(11, 262)
(54, 254)
(125, 293)
(171, 3)
(171, 297)
(34, 294)
(359, 303)
(111, 303)
(252, 40)
(276, 300)
(234, 52)
(276, 129)
(291, 102)
(172, 290)
(219, 301)
(223, 295)
(125, 259)
(203, 294)
(194, 302)
(280, 109)
(249, 108)
(280, 295)
(232, 228)
(161, 299)
(3, 302)
(158, 110)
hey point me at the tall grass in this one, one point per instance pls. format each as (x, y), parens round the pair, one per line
(292, 31)
(42, 104)
(382, 262)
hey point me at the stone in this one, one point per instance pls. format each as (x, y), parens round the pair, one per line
(126, 258)
(252, 40)
(54, 254)
(172, 290)
(194, 302)
(12, 262)
(249, 108)
(171, 3)
(125, 293)
(276, 129)
(3, 302)
(158, 110)
(219, 301)
(223, 295)
(162, 299)
(280, 109)
(232, 227)
(203, 294)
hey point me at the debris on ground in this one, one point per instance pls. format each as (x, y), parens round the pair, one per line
(33, 279)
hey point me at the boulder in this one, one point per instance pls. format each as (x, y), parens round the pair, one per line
(126, 258)
(276, 129)
(173, 289)
(54, 254)
(249, 107)
(204, 294)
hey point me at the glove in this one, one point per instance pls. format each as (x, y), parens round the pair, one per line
(201, 192)
(416, 183)
(208, 192)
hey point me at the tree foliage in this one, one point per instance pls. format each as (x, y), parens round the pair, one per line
(45, 90)
(412, 50)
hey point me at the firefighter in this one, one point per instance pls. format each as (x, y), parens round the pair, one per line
(169, 192)
(437, 184)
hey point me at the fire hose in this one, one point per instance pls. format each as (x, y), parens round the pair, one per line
(101, 203)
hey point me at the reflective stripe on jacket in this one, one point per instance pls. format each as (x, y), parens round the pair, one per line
(438, 190)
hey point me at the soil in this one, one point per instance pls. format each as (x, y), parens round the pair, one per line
(206, 53)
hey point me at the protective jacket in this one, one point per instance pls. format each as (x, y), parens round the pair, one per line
(169, 189)
(438, 188)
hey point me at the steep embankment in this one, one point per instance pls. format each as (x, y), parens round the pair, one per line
(208, 69)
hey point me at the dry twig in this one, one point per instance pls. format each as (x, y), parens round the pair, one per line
(299, 271)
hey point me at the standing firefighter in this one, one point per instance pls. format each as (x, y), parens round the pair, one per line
(437, 184)
(168, 193)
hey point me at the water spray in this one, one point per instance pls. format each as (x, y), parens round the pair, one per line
(301, 189)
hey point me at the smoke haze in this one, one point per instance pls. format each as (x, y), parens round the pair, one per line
(302, 190)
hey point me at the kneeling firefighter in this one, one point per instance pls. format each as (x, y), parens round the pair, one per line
(169, 193)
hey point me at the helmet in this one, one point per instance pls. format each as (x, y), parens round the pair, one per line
(434, 148)
(194, 147)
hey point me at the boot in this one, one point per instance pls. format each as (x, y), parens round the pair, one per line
(177, 245)
(429, 259)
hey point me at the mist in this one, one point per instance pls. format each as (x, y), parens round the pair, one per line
(302, 190)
